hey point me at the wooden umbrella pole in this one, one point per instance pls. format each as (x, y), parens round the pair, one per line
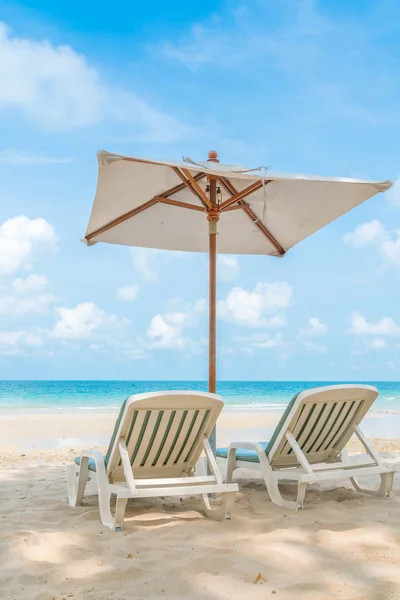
(212, 235)
(213, 217)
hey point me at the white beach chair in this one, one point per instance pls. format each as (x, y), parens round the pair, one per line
(157, 440)
(308, 445)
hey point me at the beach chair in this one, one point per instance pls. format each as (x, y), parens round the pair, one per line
(308, 445)
(157, 440)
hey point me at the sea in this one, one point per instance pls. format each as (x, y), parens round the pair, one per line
(107, 396)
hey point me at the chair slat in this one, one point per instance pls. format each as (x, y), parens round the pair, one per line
(346, 423)
(284, 447)
(337, 426)
(129, 445)
(326, 422)
(330, 425)
(308, 425)
(138, 433)
(199, 435)
(191, 435)
(171, 436)
(146, 436)
(158, 438)
(182, 437)
(300, 423)
(317, 423)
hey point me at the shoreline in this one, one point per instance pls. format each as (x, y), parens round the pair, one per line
(57, 437)
(272, 408)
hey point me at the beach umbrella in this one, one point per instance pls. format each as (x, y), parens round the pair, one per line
(208, 206)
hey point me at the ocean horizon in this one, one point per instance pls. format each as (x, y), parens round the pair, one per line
(104, 395)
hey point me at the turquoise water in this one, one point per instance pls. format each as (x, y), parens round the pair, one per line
(105, 395)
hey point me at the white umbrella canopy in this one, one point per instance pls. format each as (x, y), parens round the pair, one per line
(184, 205)
(134, 205)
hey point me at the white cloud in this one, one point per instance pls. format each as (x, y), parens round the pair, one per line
(374, 234)
(52, 84)
(33, 283)
(164, 335)
(134, 352)
(313, 347)
(128, 292)
(378, 343)
(58, 89)
(21, 305)
(390, 250)
(15, 343)
(386, 327)
(188, 313)
(315, 327)
(34, 339)
(252, 308)
(265, 341)
(10, 156)
(143, 260)
(228, 268)
(262, 340)
(365, 234)
(28, 296)
(20, 237)
(239, 40)
(166, 331)
(81, 322)
(297, 46)
(10, 338)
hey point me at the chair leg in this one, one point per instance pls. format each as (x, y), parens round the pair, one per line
(120, 506)
(301, 492)
(221, 512)
(274, 492)
(384, 489)
(77, 478)
(104, 505)
(231, 466)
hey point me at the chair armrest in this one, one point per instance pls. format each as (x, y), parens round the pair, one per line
(98, 458)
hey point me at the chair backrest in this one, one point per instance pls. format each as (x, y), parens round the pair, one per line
(322, 420)
(163, 432)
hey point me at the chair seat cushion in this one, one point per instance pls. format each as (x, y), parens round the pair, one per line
(91, 463)
(242, 453)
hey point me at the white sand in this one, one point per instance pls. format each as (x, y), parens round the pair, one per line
(343, 545)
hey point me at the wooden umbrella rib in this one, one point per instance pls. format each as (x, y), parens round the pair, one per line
(241, 195)
(173, 202)
(173, 190)
(122, 218)
(228, 186)
(251, 214)
(197, 188)
(181, 186)
(192, 185)
(135, 211)
(234, 207)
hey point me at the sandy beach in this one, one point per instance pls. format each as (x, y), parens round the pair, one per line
(343, 545)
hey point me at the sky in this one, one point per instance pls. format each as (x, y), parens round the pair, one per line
(298, 85)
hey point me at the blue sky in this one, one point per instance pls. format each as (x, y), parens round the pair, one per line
(299, 85)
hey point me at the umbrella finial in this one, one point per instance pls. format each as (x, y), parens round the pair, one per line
(213, 156)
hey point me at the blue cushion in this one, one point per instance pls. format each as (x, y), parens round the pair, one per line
(242, 453)
(91, 463)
